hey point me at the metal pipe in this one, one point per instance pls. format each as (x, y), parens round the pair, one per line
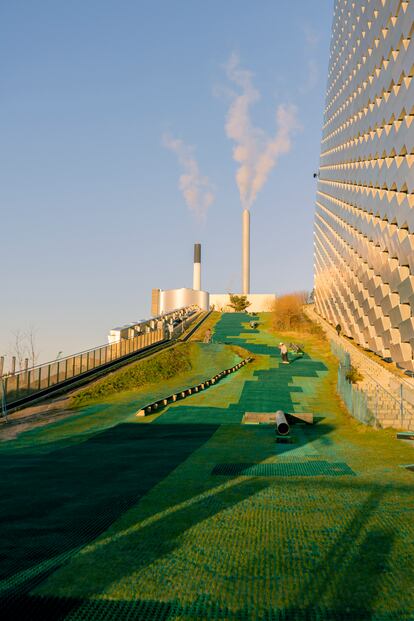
(246, 252)
(282, 426)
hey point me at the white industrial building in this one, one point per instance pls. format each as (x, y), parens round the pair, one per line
(259, 302)
(164, 301)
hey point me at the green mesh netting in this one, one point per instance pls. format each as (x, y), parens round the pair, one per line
(123, 520)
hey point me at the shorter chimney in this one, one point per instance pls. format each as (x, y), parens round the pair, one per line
(197, 267)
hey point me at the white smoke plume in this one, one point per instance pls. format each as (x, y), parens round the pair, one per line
(197, 189)
(255, 151)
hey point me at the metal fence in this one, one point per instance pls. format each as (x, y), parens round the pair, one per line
(372, 404)
(356, 400)
(27, 382)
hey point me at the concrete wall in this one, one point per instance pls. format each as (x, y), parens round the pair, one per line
(364, 222)
(260, 302)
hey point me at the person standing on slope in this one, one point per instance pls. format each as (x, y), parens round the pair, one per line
(284, 353)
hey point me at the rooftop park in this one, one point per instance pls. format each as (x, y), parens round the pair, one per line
(191, 514)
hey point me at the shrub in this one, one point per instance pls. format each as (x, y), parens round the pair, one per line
(315, 329)
(288, 311)
(353, 375)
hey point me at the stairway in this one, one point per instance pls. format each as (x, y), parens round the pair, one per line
(382, 387)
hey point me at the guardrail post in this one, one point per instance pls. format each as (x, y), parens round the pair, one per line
(3, 400)
(401, 404)
(26, 368)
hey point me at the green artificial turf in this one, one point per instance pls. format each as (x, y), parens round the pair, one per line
(203, 361)
(157, 368)
(196, 516)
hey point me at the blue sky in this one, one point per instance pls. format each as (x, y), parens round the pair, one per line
(91, 213)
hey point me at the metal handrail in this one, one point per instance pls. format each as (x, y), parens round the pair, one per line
(85, 351)
(381, 387)
(43, 379)
(404, 406)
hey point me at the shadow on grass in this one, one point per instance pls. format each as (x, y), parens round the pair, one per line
(344, 584)
(63, 499)
(32, 607)
(348, 576)
(59, 501)
(140, 545)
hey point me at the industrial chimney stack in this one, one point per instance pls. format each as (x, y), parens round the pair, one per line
(246, 251)
(197, 267)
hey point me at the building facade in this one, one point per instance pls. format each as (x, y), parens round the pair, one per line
(259, 302)
(364, 221)
(166, 301)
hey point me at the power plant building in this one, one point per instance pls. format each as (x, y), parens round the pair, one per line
(165, 301)
(364, 221)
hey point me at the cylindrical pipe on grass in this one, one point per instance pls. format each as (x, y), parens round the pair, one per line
(282, 426)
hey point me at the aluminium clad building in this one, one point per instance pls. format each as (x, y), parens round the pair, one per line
(364, 221)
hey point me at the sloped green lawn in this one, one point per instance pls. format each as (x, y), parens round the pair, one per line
(195, 516)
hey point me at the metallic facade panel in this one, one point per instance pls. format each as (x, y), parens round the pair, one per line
(364, 219)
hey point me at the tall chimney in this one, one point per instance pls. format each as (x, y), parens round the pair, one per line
(197, 267)
(246, 251)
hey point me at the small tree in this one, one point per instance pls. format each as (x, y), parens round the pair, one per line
(32, 346)
(24, 348)
(239, 303)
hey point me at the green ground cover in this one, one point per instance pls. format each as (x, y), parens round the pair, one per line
(208, 324)
(200, 362)
(156, 369)
(152, 370)
(195, 516)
